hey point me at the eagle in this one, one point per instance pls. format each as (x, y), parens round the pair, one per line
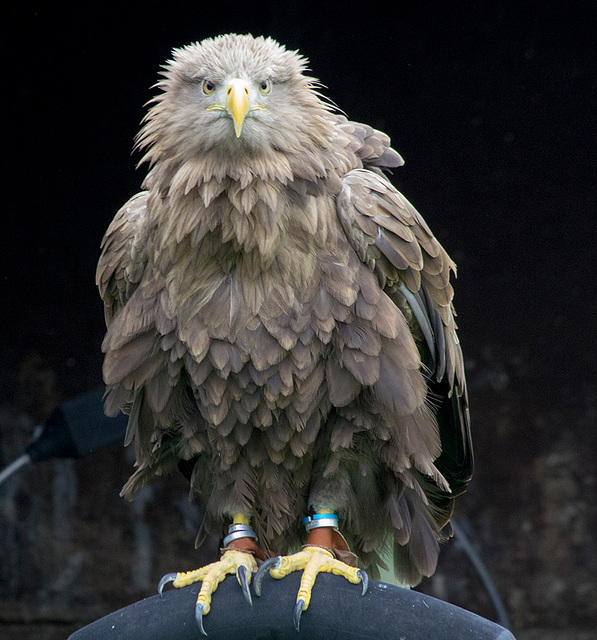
(280, 328)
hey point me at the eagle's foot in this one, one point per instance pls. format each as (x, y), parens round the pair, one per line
(233, 561)
(312, 560)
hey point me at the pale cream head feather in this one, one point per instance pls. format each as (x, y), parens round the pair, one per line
(236, 94)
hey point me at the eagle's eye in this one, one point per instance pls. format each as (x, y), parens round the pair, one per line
(265, 87)
(208, 87)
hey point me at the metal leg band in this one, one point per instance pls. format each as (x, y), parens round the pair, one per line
(321, 520)
(236, 531)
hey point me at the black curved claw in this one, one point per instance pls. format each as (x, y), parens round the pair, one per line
(169, 577)
(298, 611)
(243, 578)
(364, 580)
(199, 617)
(270, 563)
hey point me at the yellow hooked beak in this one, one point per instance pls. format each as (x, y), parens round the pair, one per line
(237, 103)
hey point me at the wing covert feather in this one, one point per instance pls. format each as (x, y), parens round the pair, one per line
(391, 237)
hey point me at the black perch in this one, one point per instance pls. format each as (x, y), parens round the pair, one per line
(337, 610)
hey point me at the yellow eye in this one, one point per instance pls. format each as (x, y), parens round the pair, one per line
(265, 87)
(208, 87)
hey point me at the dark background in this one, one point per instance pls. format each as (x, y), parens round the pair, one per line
(492, 105)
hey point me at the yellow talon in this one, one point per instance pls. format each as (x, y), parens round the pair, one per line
(211, 575)
(313, 560)
(239, 560)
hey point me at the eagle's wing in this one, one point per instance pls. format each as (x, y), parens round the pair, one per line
(119, 272)
(392, 238)
(123, 256)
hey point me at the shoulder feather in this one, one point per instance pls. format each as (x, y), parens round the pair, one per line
(123, 256)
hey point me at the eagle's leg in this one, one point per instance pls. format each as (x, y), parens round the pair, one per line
(238, 557)
(319, 555)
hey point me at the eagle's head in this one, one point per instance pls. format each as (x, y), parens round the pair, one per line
(238, 95)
